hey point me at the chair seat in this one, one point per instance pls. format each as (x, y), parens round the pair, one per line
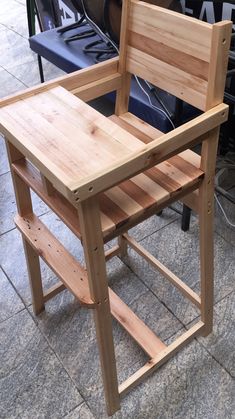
(147, 191)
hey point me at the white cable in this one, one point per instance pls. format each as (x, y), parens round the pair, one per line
(223, 212)
(151, 104)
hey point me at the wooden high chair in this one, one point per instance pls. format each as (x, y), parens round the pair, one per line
(102, 176)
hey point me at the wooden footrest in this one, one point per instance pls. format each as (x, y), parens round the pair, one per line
(65, 266)
(74, 277)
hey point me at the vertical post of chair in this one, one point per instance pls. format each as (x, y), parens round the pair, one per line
(89, 218)
(206, 224)
(122, 100)
(24, 206)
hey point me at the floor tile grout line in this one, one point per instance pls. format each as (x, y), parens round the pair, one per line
(13, 286)
(4, 173)
(215, 359)
(158, 229)
(162, 302)
(8, 71)
(225, 239)
(12, 30)
(71, 411)
(12, 315)
(56, 354)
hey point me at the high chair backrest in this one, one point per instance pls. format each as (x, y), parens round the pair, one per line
(179, 54)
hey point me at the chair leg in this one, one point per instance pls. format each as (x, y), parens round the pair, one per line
(123, 246)
(185, 222)
(24, 205)
(89, 218)
(35, 279)
(206, 225)
(40, 67)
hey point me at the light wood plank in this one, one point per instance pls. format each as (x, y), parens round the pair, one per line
(69, 81)
(98, 87)
(140, 129)
(53, 291)
(221, 38)
(122, 98)
(174, 57)
(64, 265)
(24, 206)
(136, 328)
(95, 263)
(181, 32)
(160, 359)
(158, 150)
(206, 228)
(178, 82)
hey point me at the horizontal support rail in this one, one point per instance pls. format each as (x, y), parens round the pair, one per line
(136, 328)
(160, 359)
(53, 291)
(98, 88)
(177, 282)
(114, 251)
(70, 82)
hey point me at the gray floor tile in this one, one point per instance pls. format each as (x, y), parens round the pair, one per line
(14, 50)
(8, 204)
(10, 303)
(4, 166)
(153, 224)
(17, 21)
(9, 7)
(191, 385)
(179, 252)
(81, 412)
(33, 382)
(221, 226)
(9, 84)
(32, 78)
(221, 342)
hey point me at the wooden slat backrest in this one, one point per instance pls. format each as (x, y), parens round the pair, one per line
(182, 55)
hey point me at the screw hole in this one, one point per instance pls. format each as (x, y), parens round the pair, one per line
(91, 189)
(224, 41)
(81, 279)
(95, 249)
(35, 240)
(77, 199)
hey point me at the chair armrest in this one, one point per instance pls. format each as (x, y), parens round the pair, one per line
(164, 147)
(95, 80)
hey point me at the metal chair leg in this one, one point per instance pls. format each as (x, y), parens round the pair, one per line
(40, 67)
(185, 223)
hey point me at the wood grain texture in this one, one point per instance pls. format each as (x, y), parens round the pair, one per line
(93, 245)
(70, 82)
(174, 80)
(160, 359)
(64, 265)
(221, 39)
(183, 33)
(206, 228)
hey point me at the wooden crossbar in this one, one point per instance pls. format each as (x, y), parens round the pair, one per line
(160, 359)
(177, 282)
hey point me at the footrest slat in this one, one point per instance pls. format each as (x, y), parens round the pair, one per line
(64, 265)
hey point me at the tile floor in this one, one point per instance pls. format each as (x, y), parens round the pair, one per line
(49, 364)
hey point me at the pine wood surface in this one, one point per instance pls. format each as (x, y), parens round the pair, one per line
(127, 200)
